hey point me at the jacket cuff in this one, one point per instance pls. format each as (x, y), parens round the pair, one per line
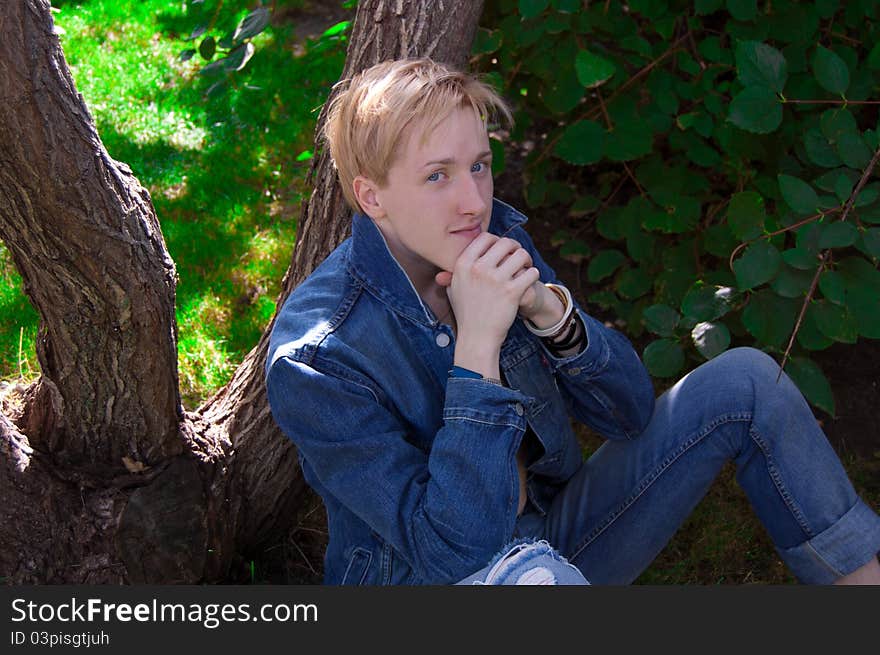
(485, 402)
(592, 359)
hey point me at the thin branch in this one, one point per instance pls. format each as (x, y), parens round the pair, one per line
(593, 112)
(611, 127)
(830, 102)
(823, 259)
(769, 235)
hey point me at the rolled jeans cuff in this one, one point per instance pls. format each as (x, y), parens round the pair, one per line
(839, 550)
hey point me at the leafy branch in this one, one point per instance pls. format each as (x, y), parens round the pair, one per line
(823, 259)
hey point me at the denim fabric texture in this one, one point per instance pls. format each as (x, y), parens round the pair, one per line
(418, 471)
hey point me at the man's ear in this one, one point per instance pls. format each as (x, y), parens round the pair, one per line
(365, 192)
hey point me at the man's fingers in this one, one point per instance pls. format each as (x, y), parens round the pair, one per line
(515, 262)
(443, 278)
(476, 249)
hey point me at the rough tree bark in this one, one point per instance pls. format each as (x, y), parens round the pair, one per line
(103, 477)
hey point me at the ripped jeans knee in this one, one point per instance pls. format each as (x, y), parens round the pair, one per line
(527, 562)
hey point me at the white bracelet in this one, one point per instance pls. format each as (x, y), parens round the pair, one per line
(569, 308)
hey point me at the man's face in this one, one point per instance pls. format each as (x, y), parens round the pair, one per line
(438, 197)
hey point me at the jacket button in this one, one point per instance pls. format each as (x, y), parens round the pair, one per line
(518, 408)
(574, 371)
(442, 339)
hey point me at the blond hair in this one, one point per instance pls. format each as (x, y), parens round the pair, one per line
(367, 119)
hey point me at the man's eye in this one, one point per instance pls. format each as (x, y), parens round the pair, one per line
(478, 167)
(434, 177)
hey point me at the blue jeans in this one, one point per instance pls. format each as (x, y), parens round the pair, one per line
(616, 514)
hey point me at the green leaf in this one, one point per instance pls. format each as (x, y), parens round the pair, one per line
(746, 216)
(809, 335)
(499, 157)
(710, 339)
(706, 7)
(583, 205)
(661, 320)
(238, 58)
(207, 48)
(198, 30)
(641, 246)
(770, 318)
(633, 283)
(838, 234)
(562, 92)
(756, 109)
(836, 122)
(863, 289)
(800, 258)
(743, 10)
(827, 8)
(843, 188)
(799, 195)
(833, 287)
(718, 240)
(574, 251)
(338, 28)
(871, 240)
(663, 358)
(487, 41)
(809, 378)
(628, 141)
(874, 57)
(682, 216)
(819, 150)
(581, 143)
(532, 8)
(567, 6)
(830, 71)
(853, 151)
(835, 322)
(707, 303)
(792, 282)
(252, 24)
(758, 265)
(758, 64)
(593, 70)
(604, 264)
(867, 195)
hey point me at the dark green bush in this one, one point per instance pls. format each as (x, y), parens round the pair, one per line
(720, 155)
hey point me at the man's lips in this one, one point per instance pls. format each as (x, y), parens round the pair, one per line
(471, 231)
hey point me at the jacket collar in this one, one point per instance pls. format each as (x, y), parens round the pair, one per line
(371, 262)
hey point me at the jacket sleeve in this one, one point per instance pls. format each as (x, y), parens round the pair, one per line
(446, 512)
(605, 386)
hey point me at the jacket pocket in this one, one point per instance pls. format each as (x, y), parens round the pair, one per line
(358, 567)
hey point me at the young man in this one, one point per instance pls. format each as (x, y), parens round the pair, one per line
(428, 369)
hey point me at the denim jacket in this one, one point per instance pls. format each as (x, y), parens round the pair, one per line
(418, 470)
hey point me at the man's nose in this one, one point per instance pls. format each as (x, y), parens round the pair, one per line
(470, 200)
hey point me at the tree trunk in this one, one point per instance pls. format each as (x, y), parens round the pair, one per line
(103, 477)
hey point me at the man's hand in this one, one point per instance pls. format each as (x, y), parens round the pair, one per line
(537, 303)
(487, 285)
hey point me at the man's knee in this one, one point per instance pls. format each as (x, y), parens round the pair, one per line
(528, 563)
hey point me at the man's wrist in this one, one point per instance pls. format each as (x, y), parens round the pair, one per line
(550, 309)
(478, 354)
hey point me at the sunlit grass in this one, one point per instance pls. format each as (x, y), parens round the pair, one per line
(222, 170)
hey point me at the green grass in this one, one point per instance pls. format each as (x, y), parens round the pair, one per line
(222, 169)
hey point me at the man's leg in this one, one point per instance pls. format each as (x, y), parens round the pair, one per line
(619, 511)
